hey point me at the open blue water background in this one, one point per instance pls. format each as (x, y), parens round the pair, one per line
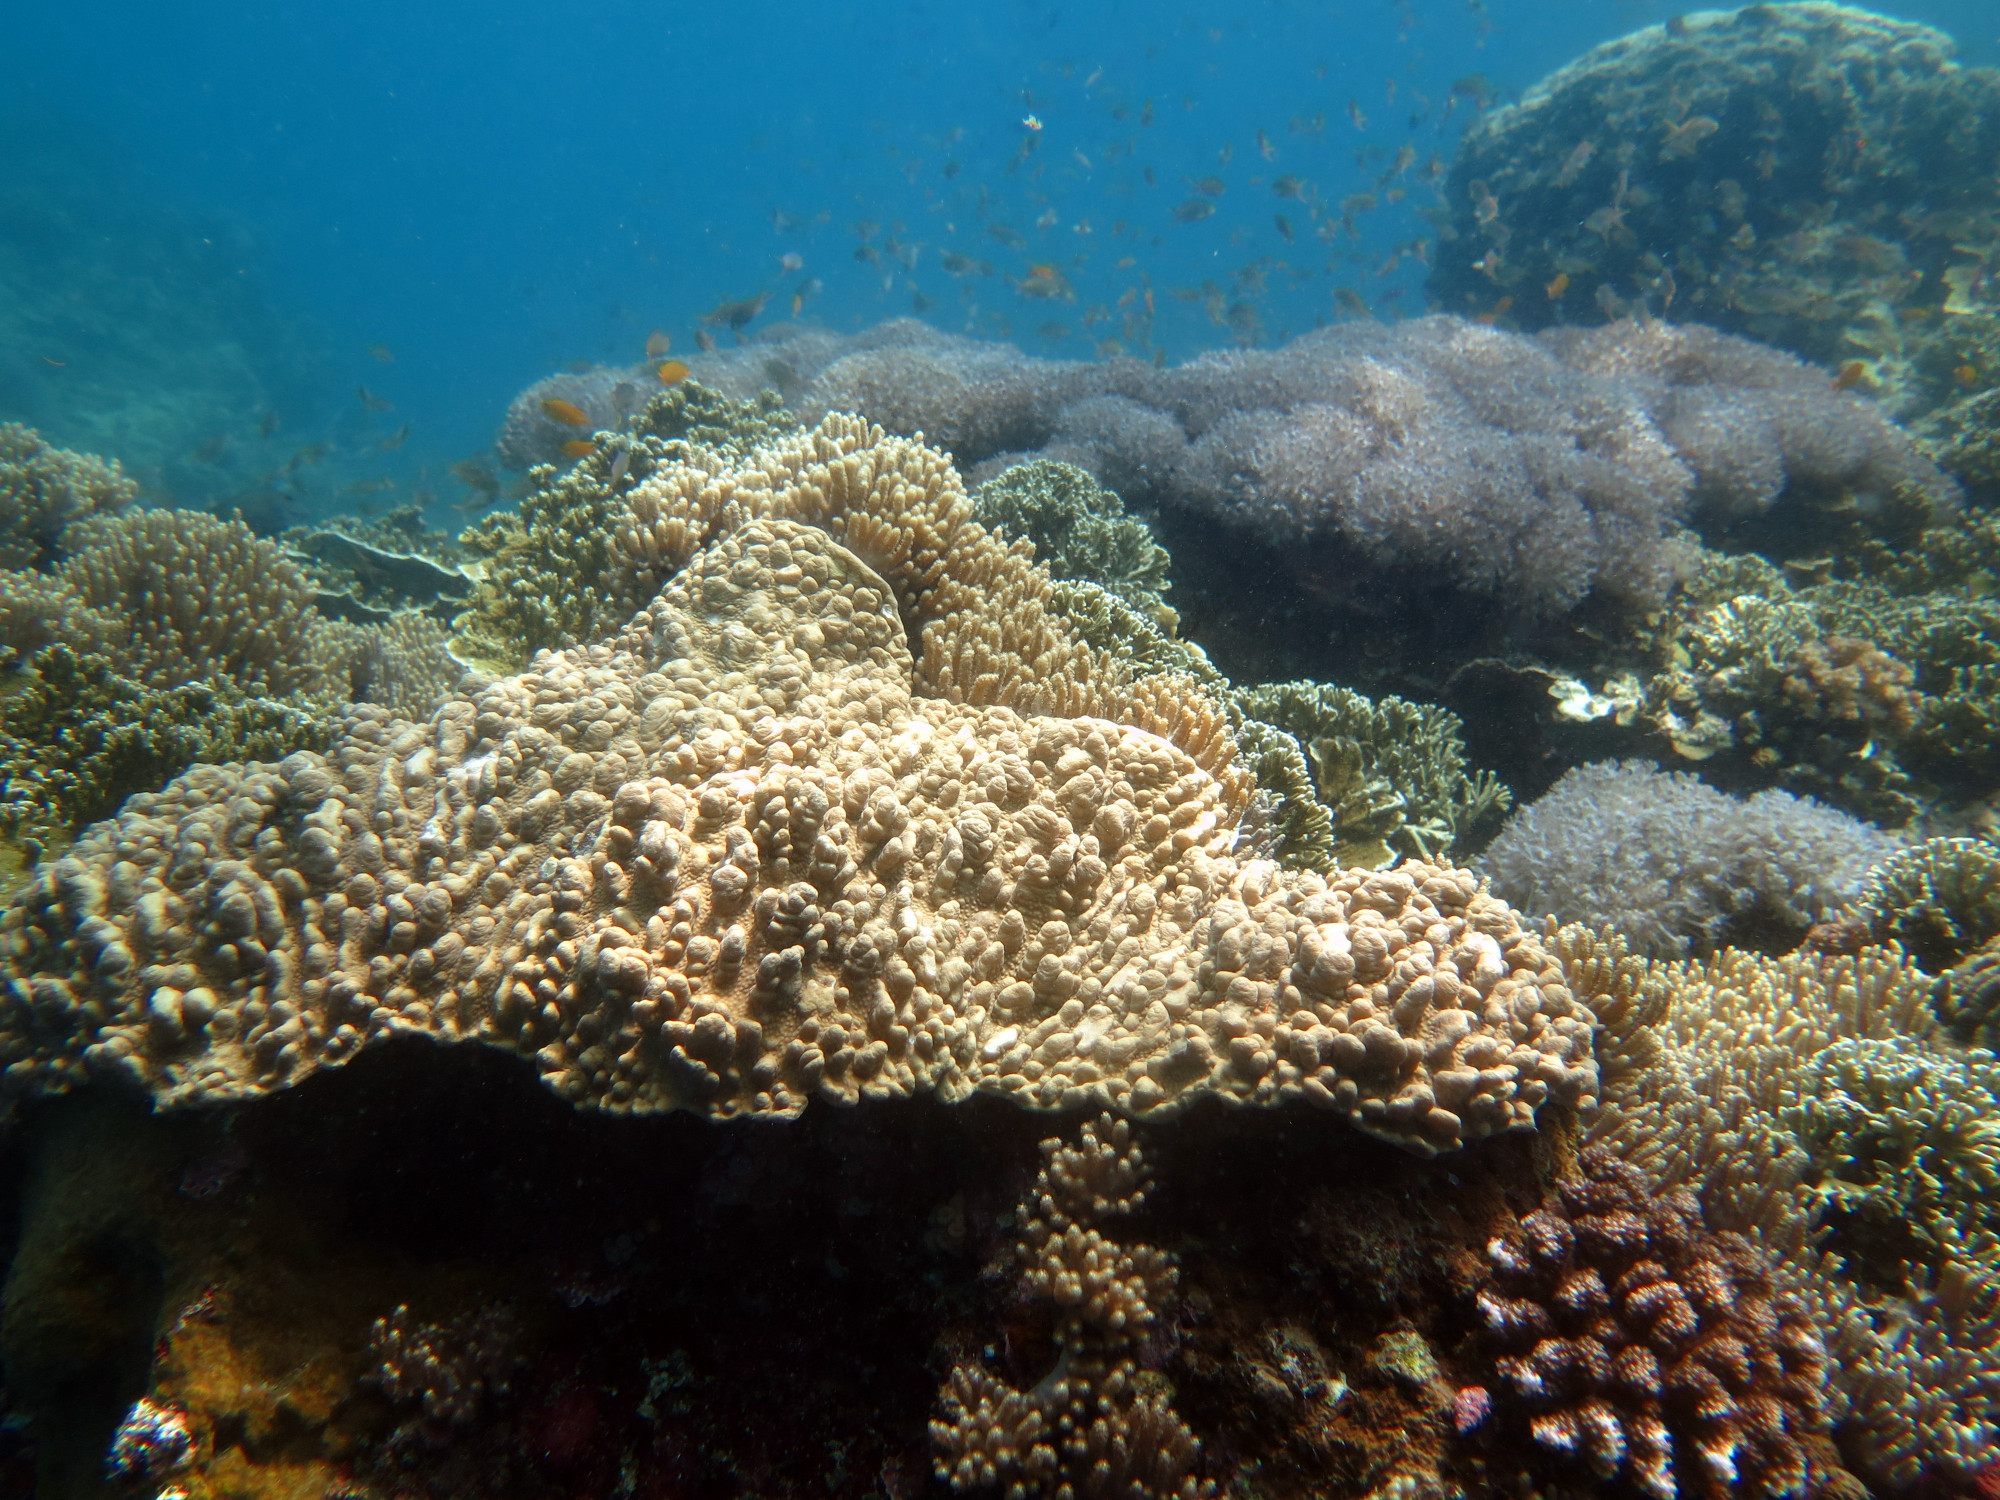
(491, 192)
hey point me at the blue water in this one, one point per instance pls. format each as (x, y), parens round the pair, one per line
(481, 194)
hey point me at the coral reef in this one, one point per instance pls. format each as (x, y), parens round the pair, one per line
(448, 1374)
(1079, 531)
(404, 664)
(731, 859)
(1675, 865)
(368, 571)
(1939, 899)
(1390, 774)
(43, 488)
(547, 574)
(1810, 175)
(1092, 1425)
(1450, 455)
(1813, 1102)
(1633, 1338)
(629, 400)
(150, 1443)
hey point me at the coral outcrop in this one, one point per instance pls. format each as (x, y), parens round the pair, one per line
(1631, 1338)
(1939, 899)
(1079, 531)
(1812, 175)
(1675, 865)
(1094, 1425)
(750, 851)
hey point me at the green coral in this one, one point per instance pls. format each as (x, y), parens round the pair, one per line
(1390, 774)
(1940, 899)
(1079, 529)
(544, 578)
(1107, 621)
(77, 738)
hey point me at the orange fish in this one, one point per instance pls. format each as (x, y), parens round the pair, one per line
(1046, 273)
(1557, 287)
(657, 345)
(1499, 311)
(673, 372)
(1850, 375)
(1966, 375)
(577, 448)
(566, 412)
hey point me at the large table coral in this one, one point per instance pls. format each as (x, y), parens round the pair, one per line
(752, 850)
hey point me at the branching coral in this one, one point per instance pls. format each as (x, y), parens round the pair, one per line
(43, 488)
(448, 1374)
(1940, 899)
(1675, 865)
(1093, 1426)
(1079, 530)
(1812, 1101)
(750, 851)
(1633, 1338)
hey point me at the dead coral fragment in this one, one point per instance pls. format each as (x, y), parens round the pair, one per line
(1634, 1339)
(1095, 1426)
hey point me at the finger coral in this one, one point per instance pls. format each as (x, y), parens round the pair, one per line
(750, 850)
(1675, 865)
(1094, 1426)
(43, 488)
(1634, 1339)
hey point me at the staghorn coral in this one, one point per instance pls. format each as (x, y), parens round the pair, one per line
(1391, 773)
(43, 488)
(549, 574)
(1093, 1426)
(729, 860)
(1939, 899)
(1652, 1348)
(1808, 174)
(1079, 531)
(1710, 1082)
(1675, 865)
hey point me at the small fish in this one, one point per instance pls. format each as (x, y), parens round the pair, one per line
(1031, 122)
(1048, 219)
(1211, 187)
(268, 424)
(382, 354)
(312, 453)
(790, 263)
(1609, 302)
(657, 344)
(578, 448)
(1286, 186)
(1682, 139)
(1667, 289)
(1007, 235)
(1851, 375)
(1349, 301)
(395, 439)
(1284, 227)
(1055, 333)
(736, 316)
(1354, 114)
(1605, 220)
(372, 401)
(1485, 207)
(1193, 211)
(673, 371)
(621, 461)
(1406, 157)
(60, 364)
(798, 301)
(1264, 147)
(477, 475)
(1499, 310)
(624, 398)
(370, 486)
(963, 265)
(1966, 375)
(1558, 286)
(1575, 162)
(919, 303)
(704, 340)
(566, 412)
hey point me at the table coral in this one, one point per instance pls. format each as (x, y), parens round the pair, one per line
(750, 851)
(1811, 175)
(43, 488)
(1633, 1338)
(1093, 1426)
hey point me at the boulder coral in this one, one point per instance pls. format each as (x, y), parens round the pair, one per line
(845, 810)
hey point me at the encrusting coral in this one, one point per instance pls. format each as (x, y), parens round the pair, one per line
(1094, 1426)
(1636, 1340)
(749, 851)
(43, 488)
(1813, 1102)
(1675, 865)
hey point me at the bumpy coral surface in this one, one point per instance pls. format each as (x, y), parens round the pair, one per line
(1091, 1427)
(1674, 864)
(43, 488)
(1634, 1339)
(727, 861)
(1807, 174)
